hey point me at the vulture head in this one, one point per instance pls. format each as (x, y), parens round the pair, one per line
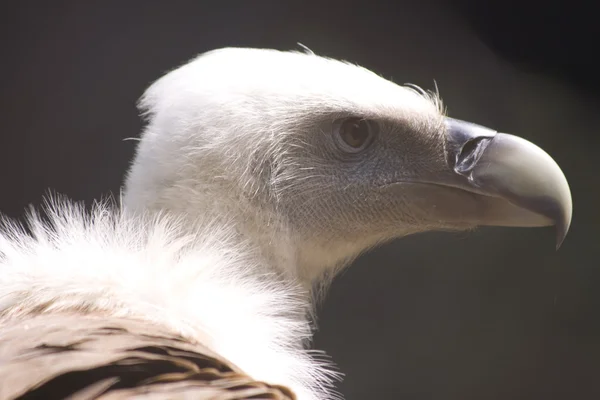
(259, 175)
(316, 160)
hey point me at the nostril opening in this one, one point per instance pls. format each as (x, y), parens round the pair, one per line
(470, 154)
(468, 148)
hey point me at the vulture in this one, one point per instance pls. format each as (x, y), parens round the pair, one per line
(259, 175)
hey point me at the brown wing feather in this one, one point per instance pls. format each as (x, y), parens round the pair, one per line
(82, 357)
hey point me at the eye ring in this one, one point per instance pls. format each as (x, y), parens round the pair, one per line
(354, 134)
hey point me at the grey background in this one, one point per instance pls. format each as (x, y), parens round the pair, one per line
(494, 314)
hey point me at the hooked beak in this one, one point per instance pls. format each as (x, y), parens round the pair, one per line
(519, 184)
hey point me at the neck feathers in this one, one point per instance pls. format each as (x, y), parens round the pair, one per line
(203, 285)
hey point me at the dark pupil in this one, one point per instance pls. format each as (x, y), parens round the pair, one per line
(355, 132)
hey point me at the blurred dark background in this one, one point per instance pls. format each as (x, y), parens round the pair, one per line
(494, 314)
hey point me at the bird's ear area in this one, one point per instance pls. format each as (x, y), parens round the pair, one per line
(260, 174)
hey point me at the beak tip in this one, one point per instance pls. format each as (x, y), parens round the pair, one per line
(562, 228)
(560, 238)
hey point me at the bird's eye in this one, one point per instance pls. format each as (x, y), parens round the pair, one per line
(353, 134)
